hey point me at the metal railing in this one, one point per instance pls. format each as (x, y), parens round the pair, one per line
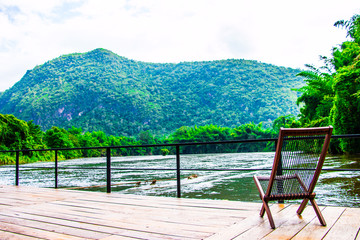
(178, 168)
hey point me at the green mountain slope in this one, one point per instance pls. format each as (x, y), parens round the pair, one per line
(100, 90)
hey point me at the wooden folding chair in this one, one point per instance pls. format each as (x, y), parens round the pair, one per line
(299, 157)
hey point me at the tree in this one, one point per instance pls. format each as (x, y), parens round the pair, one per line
(317, 96)
(16, 134)
(288, 121)
(346, 110)
(332, 93)
(60, 138)
(253, 131)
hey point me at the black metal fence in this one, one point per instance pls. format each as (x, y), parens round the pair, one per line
(178, 168)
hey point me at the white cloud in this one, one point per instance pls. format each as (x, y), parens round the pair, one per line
(280, 32)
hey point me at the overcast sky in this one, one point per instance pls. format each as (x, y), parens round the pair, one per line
(281, 32)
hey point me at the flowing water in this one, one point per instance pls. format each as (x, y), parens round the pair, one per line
(341, 188)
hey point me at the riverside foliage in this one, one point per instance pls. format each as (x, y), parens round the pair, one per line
(18, 134)
(332, 93)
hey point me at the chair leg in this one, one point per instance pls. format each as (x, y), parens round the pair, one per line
(268, 213)
(302, 206)
(318, 212)
(262, 211)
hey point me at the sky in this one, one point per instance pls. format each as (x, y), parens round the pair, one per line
(280, 32)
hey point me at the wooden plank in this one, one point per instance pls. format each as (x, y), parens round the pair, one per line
(44, 192)
(116, 237)
(135, 222)
(33, 197)
(247, 224)
(156, 201)
(149, 205)
(293, 224)
(263, 229)
(191, 219)
(236, 229)
(174, 199)
(213, 214)
(166, 201)
(47, 192)
(50, 226)
(97, 229)
(11, 202)
(190, 202)
(347, 226)
(200, 206)
(14, 236)
(130, 208)
(314, 230)
(33, 232)
(59, 194)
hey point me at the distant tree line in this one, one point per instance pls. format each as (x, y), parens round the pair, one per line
(16, 134)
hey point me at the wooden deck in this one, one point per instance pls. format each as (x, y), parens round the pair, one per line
(36, 213)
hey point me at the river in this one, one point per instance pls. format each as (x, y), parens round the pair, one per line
(333, 188)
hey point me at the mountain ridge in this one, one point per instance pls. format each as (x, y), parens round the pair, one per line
(100, 90)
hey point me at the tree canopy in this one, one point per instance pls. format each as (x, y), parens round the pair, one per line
(332, 93)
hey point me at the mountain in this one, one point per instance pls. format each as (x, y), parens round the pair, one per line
(100, 90)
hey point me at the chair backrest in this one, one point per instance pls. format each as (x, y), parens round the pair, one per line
(300, 154)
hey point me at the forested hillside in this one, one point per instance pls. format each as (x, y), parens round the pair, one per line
(100, 90)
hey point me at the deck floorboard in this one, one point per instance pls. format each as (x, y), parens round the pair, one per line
(40, 213)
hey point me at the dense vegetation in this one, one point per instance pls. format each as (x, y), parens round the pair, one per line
(101, 91)
(332, 93)
(18, 134)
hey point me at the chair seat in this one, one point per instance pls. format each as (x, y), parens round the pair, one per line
(287, 188)
(290, 196)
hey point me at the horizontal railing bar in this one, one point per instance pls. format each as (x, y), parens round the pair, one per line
(149, 145)
(174, 144)
(346, 136)
(195, 169)
(264, 169)
(29, 167)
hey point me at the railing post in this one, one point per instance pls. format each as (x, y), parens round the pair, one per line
(17, 162)
(178, 177)
(108, 170)
(279, 172)
(56, 168)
